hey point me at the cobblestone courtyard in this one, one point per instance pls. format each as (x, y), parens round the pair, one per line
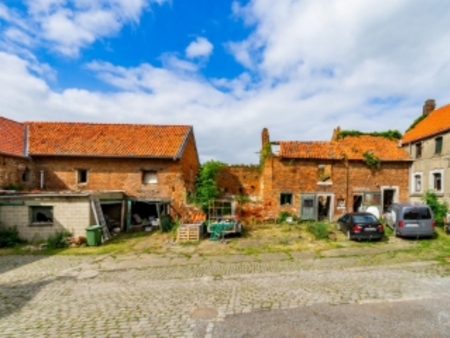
(154, 296)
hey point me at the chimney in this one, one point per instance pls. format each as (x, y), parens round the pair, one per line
(429, 106)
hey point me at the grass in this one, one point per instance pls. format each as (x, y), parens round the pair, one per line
(267, 238)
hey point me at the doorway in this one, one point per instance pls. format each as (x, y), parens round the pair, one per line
(388, 198)
(357, 202)
(324, 207)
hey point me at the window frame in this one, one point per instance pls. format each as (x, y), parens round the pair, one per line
(79, 175)
(438, 145)
(414, 176)
(31, 215)
(418, 147)
(148, 172)
(432, 180)
(284, 194)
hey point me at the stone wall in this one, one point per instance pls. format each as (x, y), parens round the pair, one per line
(239, 180)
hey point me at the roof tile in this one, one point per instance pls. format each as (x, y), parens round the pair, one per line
(12, 137)
(96, 139)
(352, 147)
(436, 122)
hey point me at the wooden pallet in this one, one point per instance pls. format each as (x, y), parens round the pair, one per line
(189, 232)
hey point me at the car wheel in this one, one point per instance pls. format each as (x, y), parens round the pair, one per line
(349, 235)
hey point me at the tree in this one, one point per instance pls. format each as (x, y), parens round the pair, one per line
(206, 184)
(439, 208)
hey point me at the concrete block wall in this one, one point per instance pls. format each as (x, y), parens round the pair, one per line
(69, 213)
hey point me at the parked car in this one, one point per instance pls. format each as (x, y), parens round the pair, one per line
(410, 220)
(361, 225)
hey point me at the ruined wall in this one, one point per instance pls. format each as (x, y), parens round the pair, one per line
(114, 174)
(190, 163)
(303, 176)
(12, 171)
(239, 180)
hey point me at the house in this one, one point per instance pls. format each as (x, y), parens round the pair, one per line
(428, 144)
(324, 179)
(138, 172)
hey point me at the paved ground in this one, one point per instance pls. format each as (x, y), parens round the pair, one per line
(275, 295)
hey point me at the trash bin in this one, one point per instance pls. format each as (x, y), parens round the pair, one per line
(94, 235)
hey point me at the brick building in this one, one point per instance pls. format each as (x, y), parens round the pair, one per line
(138, 172)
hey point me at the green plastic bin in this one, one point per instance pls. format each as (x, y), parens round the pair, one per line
(94, 235)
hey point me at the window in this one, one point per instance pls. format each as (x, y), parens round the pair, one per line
(26, 175)
(372, 198)
(82, 176)
(41, 215)
(438, 145)
(418, 150)
(149, 177)
(285, 198)
(341, 203)
(324, 172)
(417, 183)
(437, 181)
(416, 213)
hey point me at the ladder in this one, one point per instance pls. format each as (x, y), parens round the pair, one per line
(100, 218)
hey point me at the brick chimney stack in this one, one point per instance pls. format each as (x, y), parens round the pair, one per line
(429, 106)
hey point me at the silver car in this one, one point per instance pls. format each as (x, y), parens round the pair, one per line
(410, 220)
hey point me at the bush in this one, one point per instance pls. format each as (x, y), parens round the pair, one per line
(439, 208)
(58, 240)
(319, 230)
(9, 237)
(282, 217)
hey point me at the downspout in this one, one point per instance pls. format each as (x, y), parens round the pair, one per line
(41, 180)
(347, 185)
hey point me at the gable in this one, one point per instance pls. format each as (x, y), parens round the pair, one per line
(12, 137)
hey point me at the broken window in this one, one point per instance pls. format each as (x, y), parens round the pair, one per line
(437, 181)
(82, 176)
(149, 177)
(41, 215)
(372, 198)
(285, 198)
(324, 172)
(341, 203)
(418, 150)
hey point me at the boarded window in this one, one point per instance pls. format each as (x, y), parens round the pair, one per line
(149, 177)
(285, 198)
(41, 215)
(82, 176)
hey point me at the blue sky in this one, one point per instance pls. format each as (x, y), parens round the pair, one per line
(230, 68)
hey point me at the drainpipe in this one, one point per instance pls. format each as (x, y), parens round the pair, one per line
(41, 181)
(348, 175)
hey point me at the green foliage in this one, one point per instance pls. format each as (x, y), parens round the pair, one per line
(319, 230)
(372, 160)
(416, 122)
(266, 151)
(439, 209)
(9, 237)
(12, 186)
(282, 217)
(389, 134)
(58, 240)
(174, 225)
(206, 184)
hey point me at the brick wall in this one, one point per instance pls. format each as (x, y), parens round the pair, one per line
(69, 213)
(12, 169)
(302, 176)
(114, 174)
(190, 163)
(239, 180)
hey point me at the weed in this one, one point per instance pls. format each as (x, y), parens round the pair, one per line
(58, 240)
(319, 230)
(9, 237)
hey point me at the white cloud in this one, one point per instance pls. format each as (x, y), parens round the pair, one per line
(201, 47)
(312, 65)
(67, 26)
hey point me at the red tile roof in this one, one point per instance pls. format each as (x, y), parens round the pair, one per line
(436, 122)
(12, 137)
(95, 139)
(351, 147)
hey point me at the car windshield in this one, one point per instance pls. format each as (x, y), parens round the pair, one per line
(417, 213)
(364, 218)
